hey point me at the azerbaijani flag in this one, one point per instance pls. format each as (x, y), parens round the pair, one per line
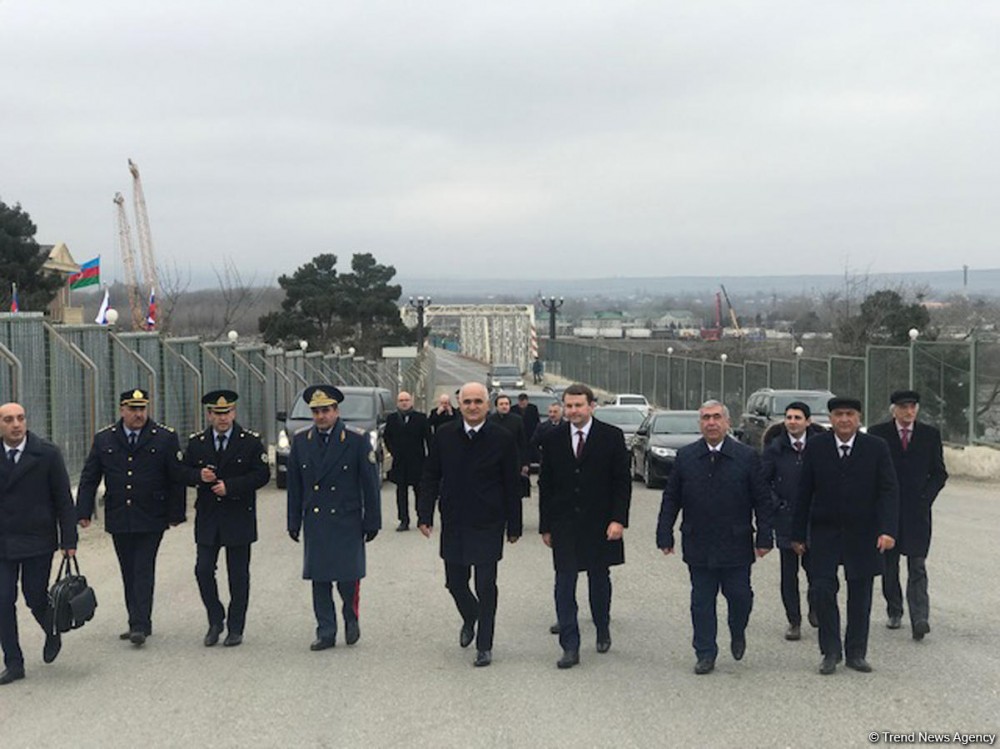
(151, 313)
(89, 275)
(14, 306)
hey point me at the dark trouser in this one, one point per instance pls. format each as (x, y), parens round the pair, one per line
(916, 587)
(859, 609)
(323, 608)
(790, 584)
(706, 582)
(137, 560)
(403, 501)
(34, 574)
(238, 571)
(481, 607)
(599, 591)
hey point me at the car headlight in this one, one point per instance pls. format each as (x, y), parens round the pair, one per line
(663, 452)
(373, 439)
(495, 383)
(519, 384)
(283, 443)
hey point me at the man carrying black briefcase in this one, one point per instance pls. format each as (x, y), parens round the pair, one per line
(36, 517)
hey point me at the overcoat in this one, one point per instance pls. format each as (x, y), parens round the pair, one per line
(145, 487)
(782, 467)
(845, 504)
(230, 520)
(333, 497)
(720, 497)
(407, 440)
(921, 475)
(36, 508)
(577, 499)
(475, 482)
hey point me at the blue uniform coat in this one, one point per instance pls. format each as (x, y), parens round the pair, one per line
(334, 498)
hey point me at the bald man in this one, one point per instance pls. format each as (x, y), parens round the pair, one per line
(406, 437)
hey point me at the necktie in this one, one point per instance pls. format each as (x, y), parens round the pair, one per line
(472, 434)
(326, 437)
(798, 446)
(12, 455)
(905, 438)
(579, 444)
(844, 451)
(131, 439)
(221, 444)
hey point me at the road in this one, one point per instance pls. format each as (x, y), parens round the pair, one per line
(454, 370)
(407, 683)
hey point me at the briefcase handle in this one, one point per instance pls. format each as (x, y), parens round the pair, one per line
(65, 568)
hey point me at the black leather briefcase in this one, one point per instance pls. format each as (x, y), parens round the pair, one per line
(72, 602)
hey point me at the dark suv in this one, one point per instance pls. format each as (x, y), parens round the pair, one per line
(363, 408)
(766, 408)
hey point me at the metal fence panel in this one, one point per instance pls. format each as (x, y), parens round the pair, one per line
(888, 370)
(942, 373)
(986, 370)
(72, 384)
(847, 376)
(814, 374)
(781, 374)
(756, 376)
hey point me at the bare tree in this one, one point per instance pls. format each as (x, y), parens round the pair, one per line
(237, 294)
(174, 284)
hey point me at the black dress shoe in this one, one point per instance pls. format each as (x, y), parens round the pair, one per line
(920, 629)
(232, 640)
(138, 637)
(352, 631)
(704, 666)
(859, 664)
(212, 636)
(402, 527)
(127, 634)
(738, 647)
(11, 674)
(53, 644)
(483, 658)
(813, 619)
(604, 644)
(828, 665)
(569, 659)
(554, 629)
(322, 643)
(794, 632)
(895, 622)
(467, 634)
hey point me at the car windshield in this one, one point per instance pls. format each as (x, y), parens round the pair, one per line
(623, 417)
(354, 408)
(506, 370)
(632, 400)
(676, 424)
(816, 403)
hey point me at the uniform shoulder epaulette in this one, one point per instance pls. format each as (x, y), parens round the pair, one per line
(357, 430)
(109, 426)
(251, 432)
(195, 434)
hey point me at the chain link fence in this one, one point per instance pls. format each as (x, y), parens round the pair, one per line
(959, 381)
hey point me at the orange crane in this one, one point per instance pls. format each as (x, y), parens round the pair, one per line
(732, 312)
(128, 261)
(149, 273)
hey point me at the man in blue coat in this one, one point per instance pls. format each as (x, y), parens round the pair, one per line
(36, 518)
(919, 460)
(334, 499)
(846, 514)
(718, 484)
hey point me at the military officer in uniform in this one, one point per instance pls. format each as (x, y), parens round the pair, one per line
(333, 499)
(144, 494)
(228, 464)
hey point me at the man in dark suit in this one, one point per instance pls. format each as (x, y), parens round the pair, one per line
(584, 491)
(144, 494)
(782, 464)
(718, 484)
(472, 470)
(555, 420)
(333, 493)
(847, 513)
(513, 423)
(442, 414)
(528, 412)
(406, 437)
(919, 460)
(36, 518)
(228, 464)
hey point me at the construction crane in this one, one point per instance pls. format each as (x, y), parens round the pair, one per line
(732, 312)
(128, 261)
(149, 275)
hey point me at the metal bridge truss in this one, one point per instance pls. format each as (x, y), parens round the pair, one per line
(488, 332)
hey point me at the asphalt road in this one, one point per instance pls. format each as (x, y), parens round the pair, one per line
(408, 684)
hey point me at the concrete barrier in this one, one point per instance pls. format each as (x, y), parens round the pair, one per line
(973, 462)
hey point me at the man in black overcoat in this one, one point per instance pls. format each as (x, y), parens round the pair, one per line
(505, 417)
(718, 484)
(145, 489)
(472, 471)
(584, 491)
(442, 414)
(36, 518)
(846, 514)
(919, 460)
(227, 464)
(406, 436)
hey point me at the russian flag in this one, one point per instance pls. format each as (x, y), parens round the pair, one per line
(102, 313)
(89, 275)
(151, 314)
(14, 306)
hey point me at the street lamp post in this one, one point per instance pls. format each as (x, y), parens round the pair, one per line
(798, 366)
(551, 305)
(233, 336)
(914, 335)
(722, 377)
(670, 372)
(420, 304)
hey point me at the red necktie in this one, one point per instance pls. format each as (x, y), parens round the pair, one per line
(798, 446)
(905, 438)
(579, 444)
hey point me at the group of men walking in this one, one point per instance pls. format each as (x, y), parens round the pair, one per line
(831, 498)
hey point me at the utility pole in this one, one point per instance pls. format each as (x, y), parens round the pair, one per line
(552, 304)
(420, 304)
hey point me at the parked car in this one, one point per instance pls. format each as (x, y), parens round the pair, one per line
(657, 441)
(363, 408)
(766, 409)
(630, 399)
(539, 398)
(556, 390)
(504, 376)
(626, 418)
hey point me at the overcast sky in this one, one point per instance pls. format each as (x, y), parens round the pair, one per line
(542, 138)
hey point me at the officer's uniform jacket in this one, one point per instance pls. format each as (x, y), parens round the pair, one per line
(230, 520)
(334, 498)
(144, 486)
